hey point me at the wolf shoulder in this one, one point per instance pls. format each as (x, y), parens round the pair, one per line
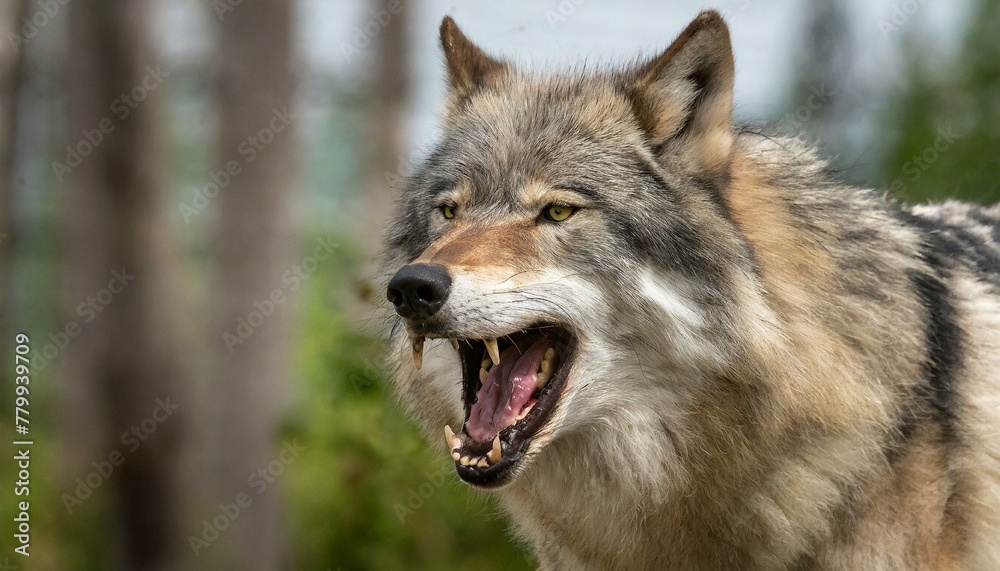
(967, 232)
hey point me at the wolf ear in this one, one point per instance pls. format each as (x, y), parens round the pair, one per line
(469, 68)
(684, 98)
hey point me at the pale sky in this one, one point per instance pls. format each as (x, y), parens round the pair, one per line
(557, 32)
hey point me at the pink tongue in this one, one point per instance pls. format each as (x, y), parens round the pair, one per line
(507, 389)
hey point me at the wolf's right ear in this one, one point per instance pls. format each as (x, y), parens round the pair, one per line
(469, 68)
(684, 98)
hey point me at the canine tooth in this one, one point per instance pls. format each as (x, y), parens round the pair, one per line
(494, 350)
(454, 343)
(483, 463)
(543, 379)
(549, 353)
(548, 364)
(418, 352)
(494, 455)
(483, 374)
(456, 456)
(450, 439)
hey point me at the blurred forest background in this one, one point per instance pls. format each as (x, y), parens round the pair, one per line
(190, 205)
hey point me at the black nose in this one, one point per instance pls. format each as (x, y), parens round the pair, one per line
(419, 290)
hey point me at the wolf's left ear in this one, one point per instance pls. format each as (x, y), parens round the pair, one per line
(684, 98)
(469, 68)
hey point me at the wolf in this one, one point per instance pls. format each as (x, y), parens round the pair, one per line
(667, 341)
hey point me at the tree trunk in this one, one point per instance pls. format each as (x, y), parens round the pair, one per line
(250, 253)
(11, 69)
(120, 366)
(384, 161)
(822, 107)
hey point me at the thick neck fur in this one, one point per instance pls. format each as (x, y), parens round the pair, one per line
(758, 465)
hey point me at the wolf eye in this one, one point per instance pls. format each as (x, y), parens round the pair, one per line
(558, 212)
(447, 210)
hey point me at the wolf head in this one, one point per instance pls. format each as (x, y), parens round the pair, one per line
(562, 264)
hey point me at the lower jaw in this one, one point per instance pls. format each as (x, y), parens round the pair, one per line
(496, 475)
(515, 440)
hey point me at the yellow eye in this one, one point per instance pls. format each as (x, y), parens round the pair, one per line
(448, 211)
(558, 212)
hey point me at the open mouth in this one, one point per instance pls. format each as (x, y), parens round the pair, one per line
(510, 388)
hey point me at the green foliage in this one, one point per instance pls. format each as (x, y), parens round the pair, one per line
(60, 539)
(369, 492)
(923, 159)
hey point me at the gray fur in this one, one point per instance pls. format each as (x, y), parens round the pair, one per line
(775, 369)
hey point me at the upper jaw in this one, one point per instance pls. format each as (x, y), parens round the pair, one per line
(445, 326)
(489, 334)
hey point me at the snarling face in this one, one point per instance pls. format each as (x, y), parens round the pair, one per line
(502, 266)
(545, 252)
